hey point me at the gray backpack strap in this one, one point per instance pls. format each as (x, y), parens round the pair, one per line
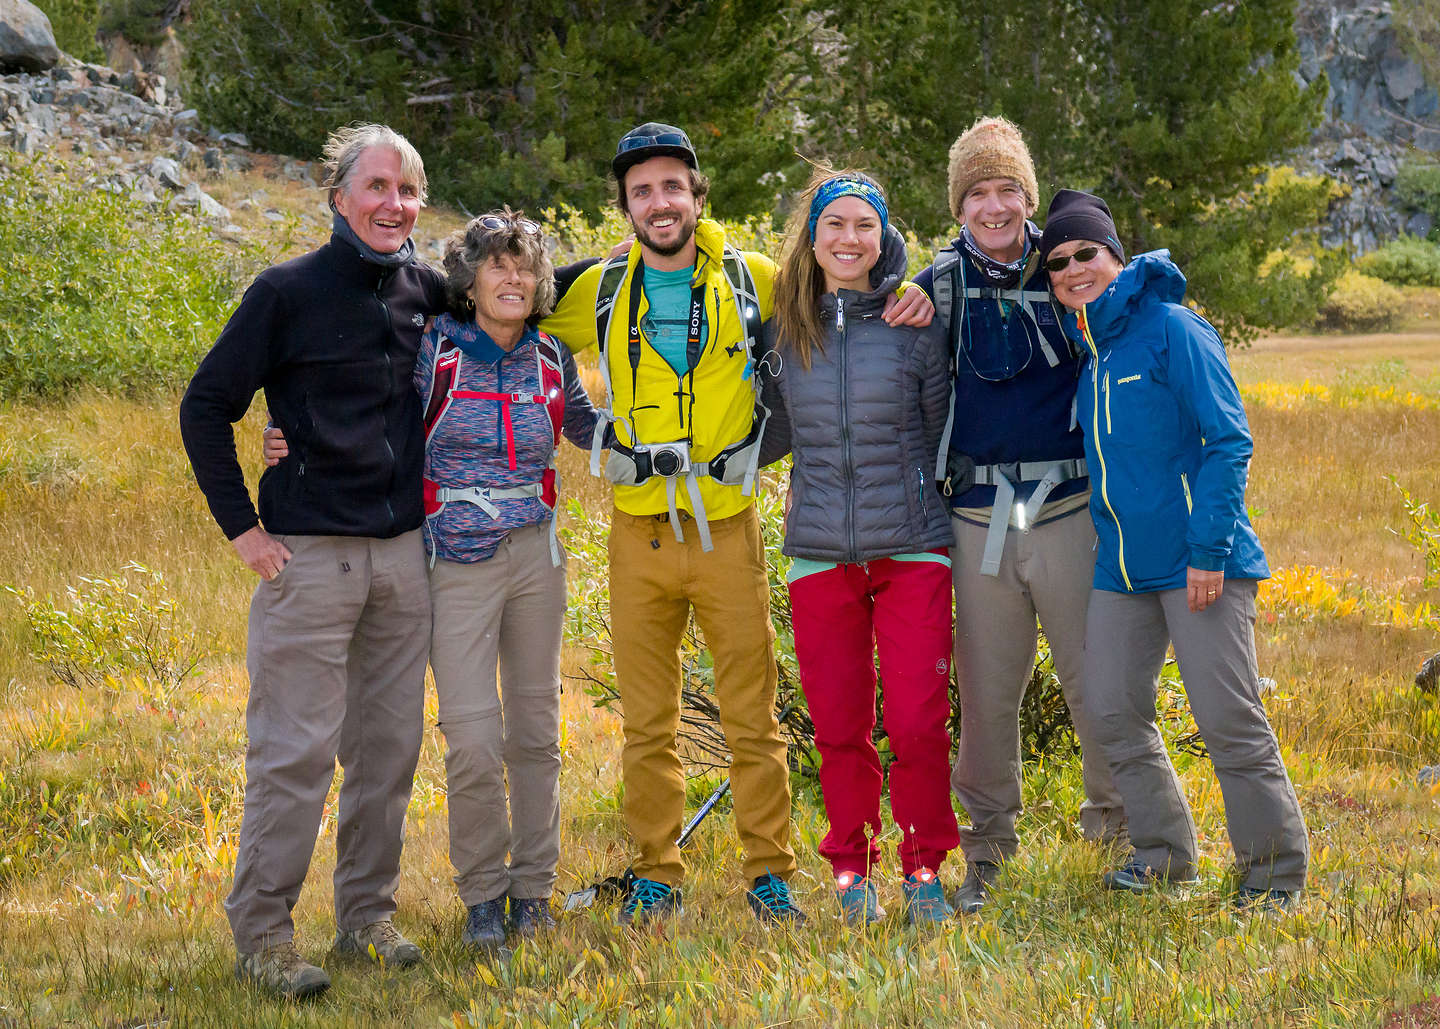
(943, 274)
(747, 297)
(942, 281)
(611, 279)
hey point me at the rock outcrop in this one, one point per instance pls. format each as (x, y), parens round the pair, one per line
(27, 42)
(130, 133)
(1379, 112)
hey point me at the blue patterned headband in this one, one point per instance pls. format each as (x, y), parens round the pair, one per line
(845, 186)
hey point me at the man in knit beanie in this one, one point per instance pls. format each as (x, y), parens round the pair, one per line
(1015, 472)
(992, 148)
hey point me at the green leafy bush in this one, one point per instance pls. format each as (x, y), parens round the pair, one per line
(74, 23)
(129, 623)
(100, 290)
(1362, 303)
(1407, 261)
(1418, 186)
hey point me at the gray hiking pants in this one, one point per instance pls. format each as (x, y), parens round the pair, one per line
(1127, 635)
(507, 612)
(1046, 572)
(336, 655)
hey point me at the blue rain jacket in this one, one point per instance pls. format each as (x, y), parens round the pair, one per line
(1165, 436)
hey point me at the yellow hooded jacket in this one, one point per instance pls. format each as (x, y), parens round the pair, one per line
(662, 408)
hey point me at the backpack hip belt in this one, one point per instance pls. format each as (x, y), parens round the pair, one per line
(1045, 474)
(484, 498)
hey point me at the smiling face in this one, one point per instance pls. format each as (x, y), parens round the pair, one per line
(663, 210)
(847, 243)
(1078, 283)
(994, 210)
(504, 295)
(378, 201)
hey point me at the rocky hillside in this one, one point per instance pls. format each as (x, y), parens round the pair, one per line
(127, 132)
(1379, 113)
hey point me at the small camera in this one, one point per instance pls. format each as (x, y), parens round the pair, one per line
(667, 459)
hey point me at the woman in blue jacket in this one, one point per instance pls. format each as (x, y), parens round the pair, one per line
(1169, 448)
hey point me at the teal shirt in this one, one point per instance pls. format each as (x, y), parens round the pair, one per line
(664, 323)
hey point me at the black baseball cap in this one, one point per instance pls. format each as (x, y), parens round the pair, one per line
(653, 139)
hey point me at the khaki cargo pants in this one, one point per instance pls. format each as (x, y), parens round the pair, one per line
(337, 648)
(655, 582)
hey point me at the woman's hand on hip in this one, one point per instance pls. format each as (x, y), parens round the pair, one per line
(1203, 588)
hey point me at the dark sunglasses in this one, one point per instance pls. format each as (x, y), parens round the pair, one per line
(630, 143)
(1084, 256)
(497, 223)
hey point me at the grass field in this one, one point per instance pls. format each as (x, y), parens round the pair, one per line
(120, 790)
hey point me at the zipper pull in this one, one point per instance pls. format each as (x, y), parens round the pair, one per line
(839, 313)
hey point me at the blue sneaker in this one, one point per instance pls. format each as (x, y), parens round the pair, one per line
(1135, 876)
(859, 904)
(770, 900)
(925, 902)
(647, 900)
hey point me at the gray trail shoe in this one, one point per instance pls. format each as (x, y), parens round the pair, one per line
(974, 892)
(531, 916)
(485, 925)
(379, 941)
(281, 970)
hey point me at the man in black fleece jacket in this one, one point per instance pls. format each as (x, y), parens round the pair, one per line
(340, 625)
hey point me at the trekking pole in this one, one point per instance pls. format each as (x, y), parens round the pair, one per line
(719, 793)
(617, 884)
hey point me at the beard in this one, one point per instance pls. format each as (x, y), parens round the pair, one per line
(686, 227)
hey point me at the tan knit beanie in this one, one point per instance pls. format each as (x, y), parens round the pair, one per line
(992, 148)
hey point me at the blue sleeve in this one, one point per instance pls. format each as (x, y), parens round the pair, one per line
(425, 365)
(580, 413)
(1209, 402)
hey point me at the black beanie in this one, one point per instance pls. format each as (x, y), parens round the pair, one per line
(1077, 215)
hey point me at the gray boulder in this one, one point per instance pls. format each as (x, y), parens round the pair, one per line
(1428, 678)
(27, 42)
(168, 173)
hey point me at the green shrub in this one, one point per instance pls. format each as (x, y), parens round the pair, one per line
(100, 290)
(1362, 303)
(111, 628)
(74, 23)
(1407, 261)
(1417, 186)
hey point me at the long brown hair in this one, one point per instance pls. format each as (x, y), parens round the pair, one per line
(800, 281)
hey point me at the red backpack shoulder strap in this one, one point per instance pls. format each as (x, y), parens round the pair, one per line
(444, 368)
(552, 380)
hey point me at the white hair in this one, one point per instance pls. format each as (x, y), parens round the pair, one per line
(345, 145)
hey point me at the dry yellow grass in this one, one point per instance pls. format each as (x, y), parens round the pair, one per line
(115, 903)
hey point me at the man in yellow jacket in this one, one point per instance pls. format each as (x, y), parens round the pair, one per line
(684, 533)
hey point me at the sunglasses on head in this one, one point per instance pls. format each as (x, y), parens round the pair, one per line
(1084, 256)
(498, 223)
(630, 143)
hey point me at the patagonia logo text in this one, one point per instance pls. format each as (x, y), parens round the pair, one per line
(1128, 378)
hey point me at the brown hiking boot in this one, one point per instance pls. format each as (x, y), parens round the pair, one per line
(379, 941)
(281, 970)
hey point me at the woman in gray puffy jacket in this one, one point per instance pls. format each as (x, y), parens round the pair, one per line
(862, 405)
